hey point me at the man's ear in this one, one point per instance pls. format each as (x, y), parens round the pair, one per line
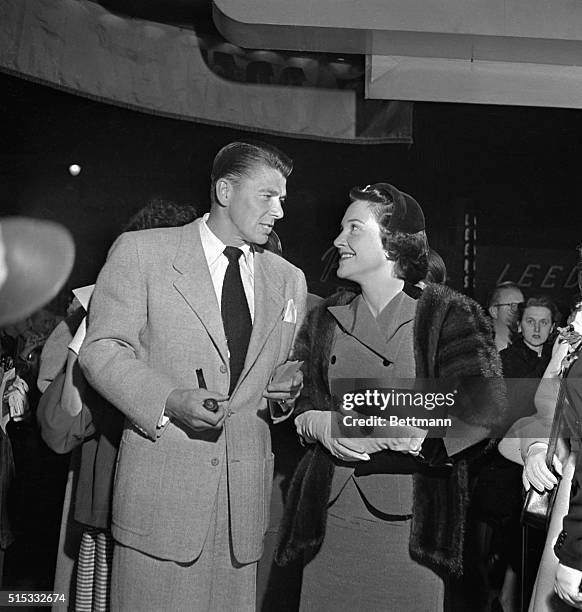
(223, 191)
(493, 312)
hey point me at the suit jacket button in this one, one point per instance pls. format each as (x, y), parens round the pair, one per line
(222, 369)
(385, 363)
(333, 359)
(214, 462)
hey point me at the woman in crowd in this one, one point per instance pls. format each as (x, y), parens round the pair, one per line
(71, 416)
(497, 496)
(526, 443)
(380, 520)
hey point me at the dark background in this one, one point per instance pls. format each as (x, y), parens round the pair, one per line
(516, 168)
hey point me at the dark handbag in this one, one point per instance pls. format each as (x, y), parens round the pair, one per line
(537, 507)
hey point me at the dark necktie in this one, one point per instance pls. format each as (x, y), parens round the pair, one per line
(235, 315)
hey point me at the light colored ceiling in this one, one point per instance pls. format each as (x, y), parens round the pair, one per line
(518, 52)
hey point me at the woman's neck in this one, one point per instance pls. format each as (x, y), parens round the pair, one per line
(378, 294)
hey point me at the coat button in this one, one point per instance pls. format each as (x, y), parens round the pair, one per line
(333, 359)
(222, 369)
(214, 462)
(385, 363)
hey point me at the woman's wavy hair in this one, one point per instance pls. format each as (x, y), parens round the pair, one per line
(396, 211)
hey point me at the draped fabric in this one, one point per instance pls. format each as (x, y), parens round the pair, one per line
(78, 46)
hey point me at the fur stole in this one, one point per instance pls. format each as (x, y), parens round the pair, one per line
(452, 339)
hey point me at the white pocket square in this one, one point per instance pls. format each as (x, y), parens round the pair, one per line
(290, 315)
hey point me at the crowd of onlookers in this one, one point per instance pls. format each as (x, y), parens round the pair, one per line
(525, 331)
(393, 512)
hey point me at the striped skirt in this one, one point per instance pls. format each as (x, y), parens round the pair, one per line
(94, 571)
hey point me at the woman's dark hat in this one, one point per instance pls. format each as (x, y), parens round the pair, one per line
(407, 216)
(36, 258)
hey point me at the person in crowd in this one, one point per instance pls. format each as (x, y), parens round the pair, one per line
(189, 334)
(498, 493)
(71, 415)
(567, 545)
(526, 444)
(380, 521)
(36, 258)
(529, 352)
(503, 306)
(437, 270)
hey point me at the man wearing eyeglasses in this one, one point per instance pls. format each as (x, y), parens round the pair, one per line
(503, 306)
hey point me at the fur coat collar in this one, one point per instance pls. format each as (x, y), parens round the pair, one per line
(453, 339)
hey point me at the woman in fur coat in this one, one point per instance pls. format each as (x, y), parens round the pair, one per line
(379, 521)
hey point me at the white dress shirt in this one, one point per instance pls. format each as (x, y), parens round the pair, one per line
(217, 262)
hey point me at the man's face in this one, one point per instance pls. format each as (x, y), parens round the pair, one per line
(506, 309)
(255, 202)
(536, 325)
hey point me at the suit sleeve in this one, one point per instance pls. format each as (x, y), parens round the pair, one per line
(112, 356)
(62, 431)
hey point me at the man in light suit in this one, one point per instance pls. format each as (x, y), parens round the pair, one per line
(193, 486)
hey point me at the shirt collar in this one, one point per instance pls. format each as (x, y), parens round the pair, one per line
(214, 247)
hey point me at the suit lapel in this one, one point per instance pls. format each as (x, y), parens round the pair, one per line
(356, 319)
(195, 285)
(269, 307)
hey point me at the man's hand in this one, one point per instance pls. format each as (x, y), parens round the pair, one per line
(536, 472)
(567, 585)
(186, 407)
(286, 390)
(315, 426)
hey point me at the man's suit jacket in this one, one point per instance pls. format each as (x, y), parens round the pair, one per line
(154, 319)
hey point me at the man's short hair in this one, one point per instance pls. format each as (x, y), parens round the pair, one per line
(238, 158)
(495, 293)
(541, 301)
